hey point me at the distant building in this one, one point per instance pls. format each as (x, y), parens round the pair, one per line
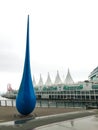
(40, 83)
(57, 82)
(83, 93)
(34, 82)
(68, 79)
(48, 81)
(57, 79)
(94, 75)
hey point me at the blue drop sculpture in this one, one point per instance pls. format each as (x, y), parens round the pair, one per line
(26, 99)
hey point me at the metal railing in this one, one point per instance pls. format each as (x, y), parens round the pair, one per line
(7, 103)
(52, 103)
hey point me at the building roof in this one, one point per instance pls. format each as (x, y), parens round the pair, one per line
(34, 82)
(68, 79)
(40, 83)
(48, 81)
(57, 79)
(94, 74)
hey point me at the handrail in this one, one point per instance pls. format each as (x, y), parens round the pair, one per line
(53, 103)
(7, 103)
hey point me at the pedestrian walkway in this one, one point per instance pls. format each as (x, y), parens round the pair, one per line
(34, 122)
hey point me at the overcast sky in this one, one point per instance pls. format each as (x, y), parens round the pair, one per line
(63, 34)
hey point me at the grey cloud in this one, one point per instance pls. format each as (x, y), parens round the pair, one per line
(10, 62)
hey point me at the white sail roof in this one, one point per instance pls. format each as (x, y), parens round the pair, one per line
(40, 83)
(34, 82)
(68, 79)
(48, 81)
(58, 79)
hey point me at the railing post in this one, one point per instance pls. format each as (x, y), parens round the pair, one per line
(65, 104)
(48, 104)
(40, 103)
(12, 103)
(56, 105)
(6, 103)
